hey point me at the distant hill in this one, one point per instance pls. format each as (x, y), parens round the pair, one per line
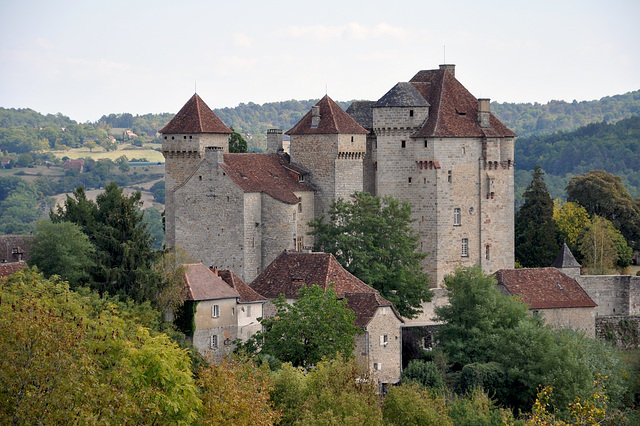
(614, 147)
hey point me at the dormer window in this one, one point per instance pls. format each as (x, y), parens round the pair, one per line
(300, 178)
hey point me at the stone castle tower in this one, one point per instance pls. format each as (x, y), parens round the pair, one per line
(427, 141)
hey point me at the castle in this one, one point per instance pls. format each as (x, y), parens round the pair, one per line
(427, 141)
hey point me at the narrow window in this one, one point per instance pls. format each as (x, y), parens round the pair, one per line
(425, 181)
(449, 179)
(299, 204)
(487, 253)
(249, 310)
(384, 340)
(233, 311)
(227, 198)
(457, 219)
(215, 311)
(409, 179)
(200, 177)
(214, 342)
(426, 144)
(464, 150)
(403, 144)
(410, 113)
(465, 247)
(351, 138)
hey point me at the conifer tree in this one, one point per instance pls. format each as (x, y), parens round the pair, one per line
(536, 235)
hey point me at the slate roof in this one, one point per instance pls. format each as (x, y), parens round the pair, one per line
(362, 112)
(292, 270)
(247, 294)
(268, 173)
(544, 288)
(402, 95)
(7, 269)
(365, 305)
(203, 284)
(454, 111)
(333, 120)
(565, 259)
(195, 117)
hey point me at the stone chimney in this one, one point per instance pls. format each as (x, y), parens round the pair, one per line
(315, 116)
(449, 67)
(274, 141)
(484, 106)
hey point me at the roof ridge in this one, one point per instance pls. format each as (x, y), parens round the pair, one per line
(439, 102)
(198, 111)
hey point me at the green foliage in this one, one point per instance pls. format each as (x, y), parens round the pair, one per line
(603, 194)
(483, 326)
(62, 249)
(158, 191)
(603, 248)
(154, 221)
(372, 238)
(73, 358)
(536, 235)
(410, 405)
(571, 219)
(124, 254)
(235, 392)
(335, 392)
(318, 325)
(237, 143)
(18, 206)
(425, 374)
(488, 376)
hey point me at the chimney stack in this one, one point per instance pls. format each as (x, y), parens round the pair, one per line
(484, 106)
(449, 67)
(315, 116)
(274, 141)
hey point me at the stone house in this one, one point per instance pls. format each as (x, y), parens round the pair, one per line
(427, 141)
(77, 165)
(555, 296)
(224, 310)
(380, 345)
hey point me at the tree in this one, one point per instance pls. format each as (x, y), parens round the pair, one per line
(571, 220)
(124, 254)
(603, 194)
(536, 235)
(424, 373)
(318, 325)
(237, 142)
(91, 145)
(235, 392)
(603, 247)
(372, 238)
(62, 249)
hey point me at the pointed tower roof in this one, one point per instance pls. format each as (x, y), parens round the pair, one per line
(195, 117)
(402, 95)
(565, 259)
(333, 120)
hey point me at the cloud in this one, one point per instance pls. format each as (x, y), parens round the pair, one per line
(350, 31)
(241, 40)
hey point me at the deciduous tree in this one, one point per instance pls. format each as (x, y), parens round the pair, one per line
(372, 238)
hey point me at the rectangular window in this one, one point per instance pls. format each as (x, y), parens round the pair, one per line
(249, 310)
(409, 179)
(487, 252)
(449, 178)
(384, 339)
(299, 204)
(214, 342)
(410, 113)
(457, 219)
(215, 311)
(233, 311)
(403, 144)
(426, 144)
(465, 247)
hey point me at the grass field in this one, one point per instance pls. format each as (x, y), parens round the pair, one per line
(147, 151)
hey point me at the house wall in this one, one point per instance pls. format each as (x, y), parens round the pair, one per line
(224, 327)
(580, 319)
(384, 322)
(247, 317)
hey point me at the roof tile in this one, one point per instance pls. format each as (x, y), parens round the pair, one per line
(204, 284)
(195, 117)
(333, 120)
(247, 294)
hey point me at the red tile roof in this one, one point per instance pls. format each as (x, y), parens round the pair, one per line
(454, 111)
(7, 269)
(365, 305)
(195, 117)
(268, 173)
(333, 120)
(544, 288)
(291, 270)
(204, 284)
(247, 294)
(15, 247)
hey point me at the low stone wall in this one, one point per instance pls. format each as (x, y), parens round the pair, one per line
(620, 330)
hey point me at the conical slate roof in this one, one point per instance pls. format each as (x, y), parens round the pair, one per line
(565, 259)
(333, 120)
(402, 95)
(195, 117)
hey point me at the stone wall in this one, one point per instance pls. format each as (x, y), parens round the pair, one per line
(614, 294)
(621, 331)
(580, 319)
(384, 353)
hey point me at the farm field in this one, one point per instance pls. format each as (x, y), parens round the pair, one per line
(147, 151)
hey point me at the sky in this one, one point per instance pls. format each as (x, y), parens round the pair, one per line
(89, 58)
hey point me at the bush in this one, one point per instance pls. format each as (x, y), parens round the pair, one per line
(488, 376)
(423, 373)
